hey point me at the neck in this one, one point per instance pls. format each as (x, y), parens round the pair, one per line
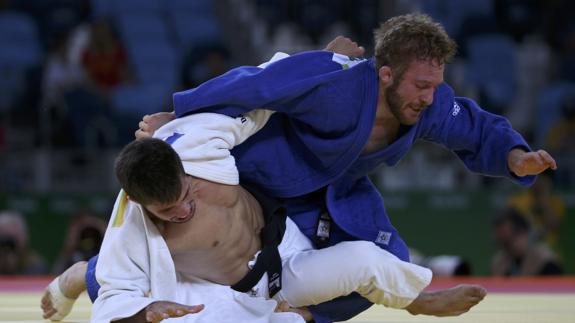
(383, 112)
(384, 130)
(385, 118)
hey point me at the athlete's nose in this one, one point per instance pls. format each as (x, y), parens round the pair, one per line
(426, 99)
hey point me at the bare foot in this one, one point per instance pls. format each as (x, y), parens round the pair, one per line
(71, 284)
(448, 302)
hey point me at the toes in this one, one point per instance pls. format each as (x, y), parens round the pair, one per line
(479, 292)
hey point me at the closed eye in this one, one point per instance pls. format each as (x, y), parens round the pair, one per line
(170, 208)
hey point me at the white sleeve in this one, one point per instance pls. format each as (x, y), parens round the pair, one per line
(123, 265)
(204, 140)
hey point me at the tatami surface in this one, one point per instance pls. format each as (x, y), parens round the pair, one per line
(529, 305)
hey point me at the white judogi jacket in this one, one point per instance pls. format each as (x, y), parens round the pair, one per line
(135, 267)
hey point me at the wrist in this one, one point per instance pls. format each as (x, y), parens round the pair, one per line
(514, 160)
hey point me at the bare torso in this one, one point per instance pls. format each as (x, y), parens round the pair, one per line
(222, 237)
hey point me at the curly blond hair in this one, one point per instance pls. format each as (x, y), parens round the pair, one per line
(403, 39)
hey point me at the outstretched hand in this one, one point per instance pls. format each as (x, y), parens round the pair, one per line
(523, 163)
(345, 46)
(151, 123)
(158, 311)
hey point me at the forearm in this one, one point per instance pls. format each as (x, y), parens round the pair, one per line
(482, 140)
(247, 88)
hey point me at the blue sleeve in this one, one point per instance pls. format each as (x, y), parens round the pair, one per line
(339, 309)
(314, 136)
(92, 285)
(249, 87)
(482, 140)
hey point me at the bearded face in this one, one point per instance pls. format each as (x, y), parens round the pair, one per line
(412, 91)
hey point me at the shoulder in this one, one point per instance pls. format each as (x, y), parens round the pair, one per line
(444, 95)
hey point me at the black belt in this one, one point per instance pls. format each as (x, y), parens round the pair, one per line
(269, 259)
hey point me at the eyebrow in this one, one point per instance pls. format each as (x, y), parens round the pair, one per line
(426, 83)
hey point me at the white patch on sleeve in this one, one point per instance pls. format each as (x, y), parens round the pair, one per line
(346, 61)
(383, 238)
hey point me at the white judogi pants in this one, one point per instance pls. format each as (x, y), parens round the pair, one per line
(310, 276)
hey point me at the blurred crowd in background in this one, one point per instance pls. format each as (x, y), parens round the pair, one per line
(76, 76)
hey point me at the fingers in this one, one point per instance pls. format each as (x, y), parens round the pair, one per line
(170, 311)
(282, 306)
(547, 159)
(49, 313)
(47, 310)
(46, 305)
(143, 125)
(186, 309)
(195, 308)
(345, 46)
(46, 300)
(151, 123)
(538, 162)
(139, 134)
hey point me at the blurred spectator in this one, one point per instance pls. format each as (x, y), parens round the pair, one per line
(518, 17)
(83, 241)
(567, 59)
(62, 74)
(442, 265)
(105, 66)
(4, 4)
(543, 209)
(16, 257)
(518, 253)
(204, 63)
(560, 143)
(104, 59)
(561, 135)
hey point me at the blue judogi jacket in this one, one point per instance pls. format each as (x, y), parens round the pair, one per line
(325, 112)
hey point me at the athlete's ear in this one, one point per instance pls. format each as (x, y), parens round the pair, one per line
(385, 76)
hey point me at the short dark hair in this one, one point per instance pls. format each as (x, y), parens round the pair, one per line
(150, 171)
(403, 39)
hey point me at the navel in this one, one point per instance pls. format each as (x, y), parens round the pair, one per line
(215, 243)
